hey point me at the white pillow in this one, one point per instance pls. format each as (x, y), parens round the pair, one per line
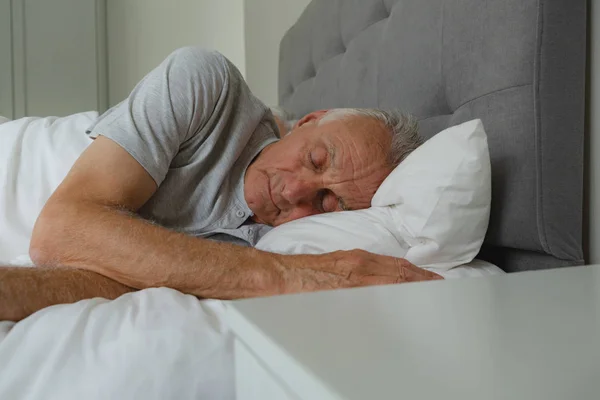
(35, 155)
(433, 209)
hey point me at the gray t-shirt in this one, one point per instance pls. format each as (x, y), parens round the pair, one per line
(194, 125)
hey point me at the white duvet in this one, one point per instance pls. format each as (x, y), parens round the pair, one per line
(35, 156)
(152, 344)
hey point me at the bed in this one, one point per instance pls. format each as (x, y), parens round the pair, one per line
(518, 65)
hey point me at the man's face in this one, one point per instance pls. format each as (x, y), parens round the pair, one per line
(317, 168)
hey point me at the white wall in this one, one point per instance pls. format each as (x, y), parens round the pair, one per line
(6, 76)
(594, 136)
(266, 23)
(141, 33)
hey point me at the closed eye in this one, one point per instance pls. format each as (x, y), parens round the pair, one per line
(312, 161)
(327, 201)
(318, 158)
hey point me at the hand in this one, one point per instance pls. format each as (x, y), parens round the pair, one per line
(354, 268)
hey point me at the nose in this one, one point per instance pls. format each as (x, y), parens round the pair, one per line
(298, 191)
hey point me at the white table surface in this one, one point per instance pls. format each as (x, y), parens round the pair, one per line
(532, 335)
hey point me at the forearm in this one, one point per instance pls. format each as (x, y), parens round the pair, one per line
(24, 291)
(139, 254)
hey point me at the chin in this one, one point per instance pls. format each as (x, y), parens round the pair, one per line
(259, 220)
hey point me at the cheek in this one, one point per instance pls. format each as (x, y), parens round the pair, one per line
(286, 158)
(289, 163)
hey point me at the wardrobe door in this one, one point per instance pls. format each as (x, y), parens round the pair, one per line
(59, 56)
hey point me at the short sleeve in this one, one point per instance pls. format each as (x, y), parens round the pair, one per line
(169, 106)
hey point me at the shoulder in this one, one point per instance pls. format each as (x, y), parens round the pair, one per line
(195, 55)
(197, 60)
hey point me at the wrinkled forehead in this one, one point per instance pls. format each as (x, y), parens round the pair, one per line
(365, 137)
(358, 149)
(357, 176)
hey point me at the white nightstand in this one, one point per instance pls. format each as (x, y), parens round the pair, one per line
(533, 335)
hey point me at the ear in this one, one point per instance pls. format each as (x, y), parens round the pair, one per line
(313, 116)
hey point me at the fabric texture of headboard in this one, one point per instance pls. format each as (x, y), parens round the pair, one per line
(519, 65)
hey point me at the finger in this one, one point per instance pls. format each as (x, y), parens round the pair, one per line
(386, 266)
(428, 274)
(382, 267)
(397, 270)
(414, 270)
(412, 276)
(375, 281)
(387, 280)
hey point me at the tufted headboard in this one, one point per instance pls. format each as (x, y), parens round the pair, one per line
(519, 65)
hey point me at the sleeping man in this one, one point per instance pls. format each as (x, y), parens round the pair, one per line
(192, 155)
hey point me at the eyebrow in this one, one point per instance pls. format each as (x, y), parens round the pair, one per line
(332, 153)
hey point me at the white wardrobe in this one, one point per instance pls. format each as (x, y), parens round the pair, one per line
(53, 57)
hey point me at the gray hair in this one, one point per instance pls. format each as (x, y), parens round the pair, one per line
(403, 127)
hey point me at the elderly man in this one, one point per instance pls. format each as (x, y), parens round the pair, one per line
(192, 155)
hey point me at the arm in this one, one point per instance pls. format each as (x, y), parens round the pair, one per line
(89, 223)
(24, 291)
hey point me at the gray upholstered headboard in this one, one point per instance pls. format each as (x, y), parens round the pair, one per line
(519, 65)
